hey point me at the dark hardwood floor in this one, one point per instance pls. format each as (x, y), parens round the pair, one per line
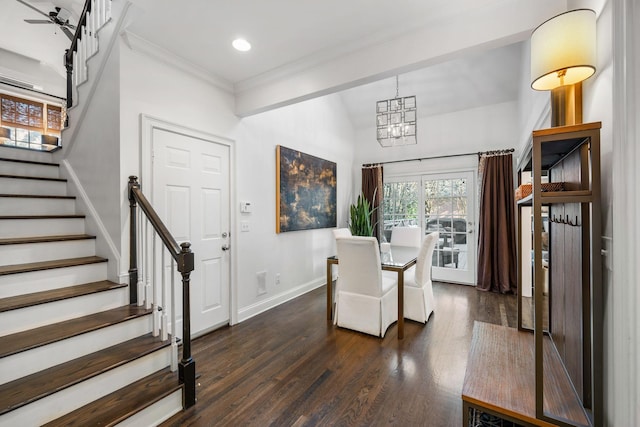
(289, 367)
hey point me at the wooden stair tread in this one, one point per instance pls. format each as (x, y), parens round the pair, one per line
(36, 298)
(45, 239)
(25, 390)
(33, 338)
(41, 216)
(30, 162)
(37, 178)
(36, 196)
(47, 265)
(117, 406)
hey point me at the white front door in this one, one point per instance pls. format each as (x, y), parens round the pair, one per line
(191, 195)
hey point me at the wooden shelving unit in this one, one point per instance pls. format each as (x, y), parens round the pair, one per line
(569, 154)
(551, 374)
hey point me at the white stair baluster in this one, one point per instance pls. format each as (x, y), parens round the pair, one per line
(81, 59)
(75, 69)
(89, 36)
(85, 53)
(107, 12)
(174, 340)
(147, 277)
(100, 13)
(94, 26)
(165, 307)
(154, 279)
(141, 270)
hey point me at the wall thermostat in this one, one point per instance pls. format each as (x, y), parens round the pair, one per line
(245, 207)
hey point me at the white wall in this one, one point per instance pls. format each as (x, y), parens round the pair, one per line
(149, 86)
(31, 71)
(318, 127)
(94, 158)
(485, 128)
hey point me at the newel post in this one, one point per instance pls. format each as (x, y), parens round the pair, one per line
(187, 367)
(68, 64)
(133, 247)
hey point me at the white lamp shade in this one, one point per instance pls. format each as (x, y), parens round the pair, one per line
(563, 50)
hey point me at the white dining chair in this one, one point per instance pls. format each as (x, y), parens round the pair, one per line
(341, 232)
(418, 288)
(406, 236)
(366, 301)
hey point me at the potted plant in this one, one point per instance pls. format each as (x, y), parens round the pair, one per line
(360, 217)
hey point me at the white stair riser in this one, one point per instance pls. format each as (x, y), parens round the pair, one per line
(40, 358)
(32, 186)
(36, 252)
(157, 413)
(26, 169)
(69, 399)
(34, 156)
(57, 311)
(36, 206)
(10, 228)
(37, 281)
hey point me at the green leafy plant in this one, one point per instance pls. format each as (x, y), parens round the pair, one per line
(360, 217)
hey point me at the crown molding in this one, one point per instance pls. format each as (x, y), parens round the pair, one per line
(141, 45)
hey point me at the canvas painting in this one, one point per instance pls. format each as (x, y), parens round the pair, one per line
(306, 191)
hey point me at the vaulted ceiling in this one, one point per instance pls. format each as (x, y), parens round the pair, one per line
(303, 49)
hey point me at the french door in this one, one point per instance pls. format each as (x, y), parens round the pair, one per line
(443, 202)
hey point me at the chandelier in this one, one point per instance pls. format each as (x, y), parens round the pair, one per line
(396, 120)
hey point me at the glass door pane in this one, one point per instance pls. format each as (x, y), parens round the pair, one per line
(449, 209)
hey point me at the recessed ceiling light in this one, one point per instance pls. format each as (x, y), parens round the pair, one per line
(241, 44)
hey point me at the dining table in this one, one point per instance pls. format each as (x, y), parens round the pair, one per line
(397, 259)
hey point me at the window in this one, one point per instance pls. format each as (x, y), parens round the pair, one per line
(22, 113)
(29, 121)
(54, 118)
(400, 205)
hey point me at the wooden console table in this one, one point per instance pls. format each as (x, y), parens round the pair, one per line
(500, 379)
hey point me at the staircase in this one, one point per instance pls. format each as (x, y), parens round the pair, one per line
(73, 351)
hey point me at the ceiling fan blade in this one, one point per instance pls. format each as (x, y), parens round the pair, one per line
(68, 33)
(31, 7)
(37, 21)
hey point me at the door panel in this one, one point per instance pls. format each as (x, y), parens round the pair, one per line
(449, 207)
(191, 194)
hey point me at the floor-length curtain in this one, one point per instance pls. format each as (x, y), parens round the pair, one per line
(372, 191)
(497, 235)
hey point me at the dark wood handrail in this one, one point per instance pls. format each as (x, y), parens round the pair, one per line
(166, 237)
(185, 264)
(68, 55)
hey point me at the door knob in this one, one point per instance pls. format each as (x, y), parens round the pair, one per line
(225, 247)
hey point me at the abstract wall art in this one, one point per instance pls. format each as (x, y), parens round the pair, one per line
(306, 191)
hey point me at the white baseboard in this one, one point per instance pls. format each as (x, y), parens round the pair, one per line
(274, 301)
